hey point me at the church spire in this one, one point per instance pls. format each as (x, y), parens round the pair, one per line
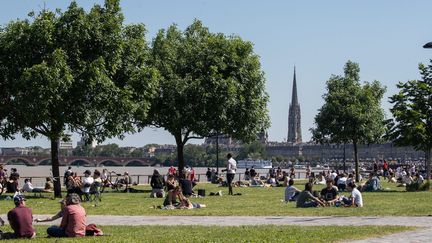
(294, 116)
(294, 100)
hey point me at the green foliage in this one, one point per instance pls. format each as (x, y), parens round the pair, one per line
(254, 150)
(412, 112)
(194, 233)
(209, 83)
(74, 71)
(351, 112)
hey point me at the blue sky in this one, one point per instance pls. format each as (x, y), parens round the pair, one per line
(318, 37)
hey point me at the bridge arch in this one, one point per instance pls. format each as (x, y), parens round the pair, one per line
(109, 162)
(45, 162)
(80, 162)
(136, 163)
(18, 161)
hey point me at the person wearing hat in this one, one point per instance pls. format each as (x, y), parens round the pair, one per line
(20, 219)
(73, 223)
(87, 181)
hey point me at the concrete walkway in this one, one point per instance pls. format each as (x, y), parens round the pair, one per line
(423, 234)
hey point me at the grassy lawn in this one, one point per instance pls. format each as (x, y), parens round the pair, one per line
(235, 234)
(253, 201)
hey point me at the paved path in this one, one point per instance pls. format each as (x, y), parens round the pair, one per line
(423, 234)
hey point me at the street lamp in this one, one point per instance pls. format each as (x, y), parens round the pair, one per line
(428, 45)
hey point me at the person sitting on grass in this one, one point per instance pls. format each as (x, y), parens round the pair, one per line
(157, 183)
(256, 182)
(170, 200)
(73, 223)
(49, 185)
(356, 199)
(291, 192)
(28, 187)
(185, 184)
(341, 184)
(306, 200)
(20, 219)
(372, 184)
(329, 194)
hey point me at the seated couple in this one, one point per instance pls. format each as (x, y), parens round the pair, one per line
(171, 203)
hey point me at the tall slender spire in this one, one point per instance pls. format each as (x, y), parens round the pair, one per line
(294, 100)
(294, 116)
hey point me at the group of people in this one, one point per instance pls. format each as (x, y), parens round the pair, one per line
(89, 184)
(176, 187)
(329, 196)
(73, 223)
(10, 183)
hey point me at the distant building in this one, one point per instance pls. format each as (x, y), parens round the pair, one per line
(14, 151)
(82, 143)
(294, 116)
(223, 140)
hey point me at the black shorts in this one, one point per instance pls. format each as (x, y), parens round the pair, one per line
(230, 178)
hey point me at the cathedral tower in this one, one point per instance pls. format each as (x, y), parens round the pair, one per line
(294, 117)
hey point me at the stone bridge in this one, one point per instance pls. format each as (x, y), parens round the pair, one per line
(75, 160)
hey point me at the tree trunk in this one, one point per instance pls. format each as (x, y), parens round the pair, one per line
(180, 155)
(55, 167)
(356, 160)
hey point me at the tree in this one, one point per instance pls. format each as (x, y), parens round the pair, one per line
(254, 150)
(210, 83)
(74, 71)
(412, 112)
(351, 112)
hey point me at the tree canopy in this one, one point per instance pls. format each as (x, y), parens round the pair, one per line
(74, 71)
(210, 83)
(351, 112)
(412, 112)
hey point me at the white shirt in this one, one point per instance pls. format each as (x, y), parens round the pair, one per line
(28, 187)
(87, 180)
(333, 175)
(342, 180)
(358, 199)
(232, 166)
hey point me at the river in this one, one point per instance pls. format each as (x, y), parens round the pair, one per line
(142, 171)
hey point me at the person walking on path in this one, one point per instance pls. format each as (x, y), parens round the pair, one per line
(230, 170)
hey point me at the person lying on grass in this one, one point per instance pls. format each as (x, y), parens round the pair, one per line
(171, 203)
(306, 200)
(185, 203)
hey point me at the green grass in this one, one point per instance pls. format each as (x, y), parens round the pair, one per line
(253, 202)
(220, 234)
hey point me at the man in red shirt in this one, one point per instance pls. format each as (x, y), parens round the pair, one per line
(73, 223)
(20, 219)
